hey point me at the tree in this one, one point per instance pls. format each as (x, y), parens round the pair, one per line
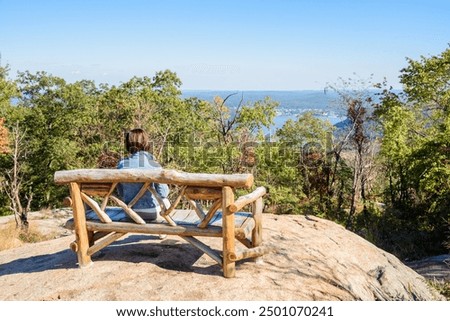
(8, 90)
(154, 104)
(56, 116)
(357, 114)
(236, 130)
(13, 184)
(354, 147)
(306, 141)
(416, 149)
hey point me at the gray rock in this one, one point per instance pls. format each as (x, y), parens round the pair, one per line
(314, 259)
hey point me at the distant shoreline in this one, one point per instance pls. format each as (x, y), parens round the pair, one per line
(322, 104)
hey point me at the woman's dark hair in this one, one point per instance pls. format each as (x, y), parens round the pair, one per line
(136, 140)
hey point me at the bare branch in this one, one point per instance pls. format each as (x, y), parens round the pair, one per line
(12, 185)
(236, 114)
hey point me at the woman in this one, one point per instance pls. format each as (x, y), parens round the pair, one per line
(137, 145)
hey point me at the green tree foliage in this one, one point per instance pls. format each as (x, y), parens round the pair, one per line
(416, 150)
(55, 114)
(154, 104)
(297, 165)
(73, 125)
(8, 90)
(233, 134)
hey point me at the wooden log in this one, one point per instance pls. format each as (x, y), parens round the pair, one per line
(81, 233)
(239, 233)
(250, 253)
(216, 205)
(167, 176)
(162, 205)
(132, 214)
(156, 228)
(93, 204)
(105, 241)
(257, 210)
(244, 241)
(105, 200)
(74, 246)
(247, 199)
(67, 201)
(158, 197)
(204, 248)
(138, 196)
(229, 267)
(99, 235)
(175, 203)
(197, 208)
(95, 189)
(203, 193)
(149, 228)
(169, 220)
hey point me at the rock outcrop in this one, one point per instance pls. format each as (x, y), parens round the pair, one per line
(315, 259)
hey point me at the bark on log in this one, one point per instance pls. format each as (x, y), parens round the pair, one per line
(250, 253)
(96, 208)
(229, 267)
(203, 193)
(104, 242)
(247, 199)
(215, 255)
(132, 214)
(81, 233)
(166, 176)
(212, 211)
(156, 228)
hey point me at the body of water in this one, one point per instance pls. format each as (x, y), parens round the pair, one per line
(322, 104)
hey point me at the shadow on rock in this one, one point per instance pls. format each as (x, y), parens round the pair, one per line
(61, 260)
(168, 254)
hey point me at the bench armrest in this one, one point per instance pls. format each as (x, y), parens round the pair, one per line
(247, 199)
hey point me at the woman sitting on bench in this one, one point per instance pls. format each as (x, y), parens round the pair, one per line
(137, 144)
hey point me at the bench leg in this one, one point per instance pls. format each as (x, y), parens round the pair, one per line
(81, 233)
(257, 209)
(229, 266)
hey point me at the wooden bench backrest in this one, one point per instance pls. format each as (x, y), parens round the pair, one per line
(194, 192)
(166, 176)
(96, 189)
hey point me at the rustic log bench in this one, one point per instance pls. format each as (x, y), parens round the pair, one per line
(100, 217)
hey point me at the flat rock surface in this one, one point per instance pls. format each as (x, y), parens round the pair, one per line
(314, 259)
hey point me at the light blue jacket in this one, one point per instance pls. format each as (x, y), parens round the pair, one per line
(127, 191)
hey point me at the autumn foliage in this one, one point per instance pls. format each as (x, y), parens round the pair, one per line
(4, 143)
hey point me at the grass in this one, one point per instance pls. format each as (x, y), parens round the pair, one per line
(11, 237)
(442, 287)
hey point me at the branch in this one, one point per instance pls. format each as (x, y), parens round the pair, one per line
(224, 128)
(236, 114)
(29, 198)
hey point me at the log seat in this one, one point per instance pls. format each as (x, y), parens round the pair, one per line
(186, 219)
(210, 209)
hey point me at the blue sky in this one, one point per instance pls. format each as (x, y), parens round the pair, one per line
(236, 45)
